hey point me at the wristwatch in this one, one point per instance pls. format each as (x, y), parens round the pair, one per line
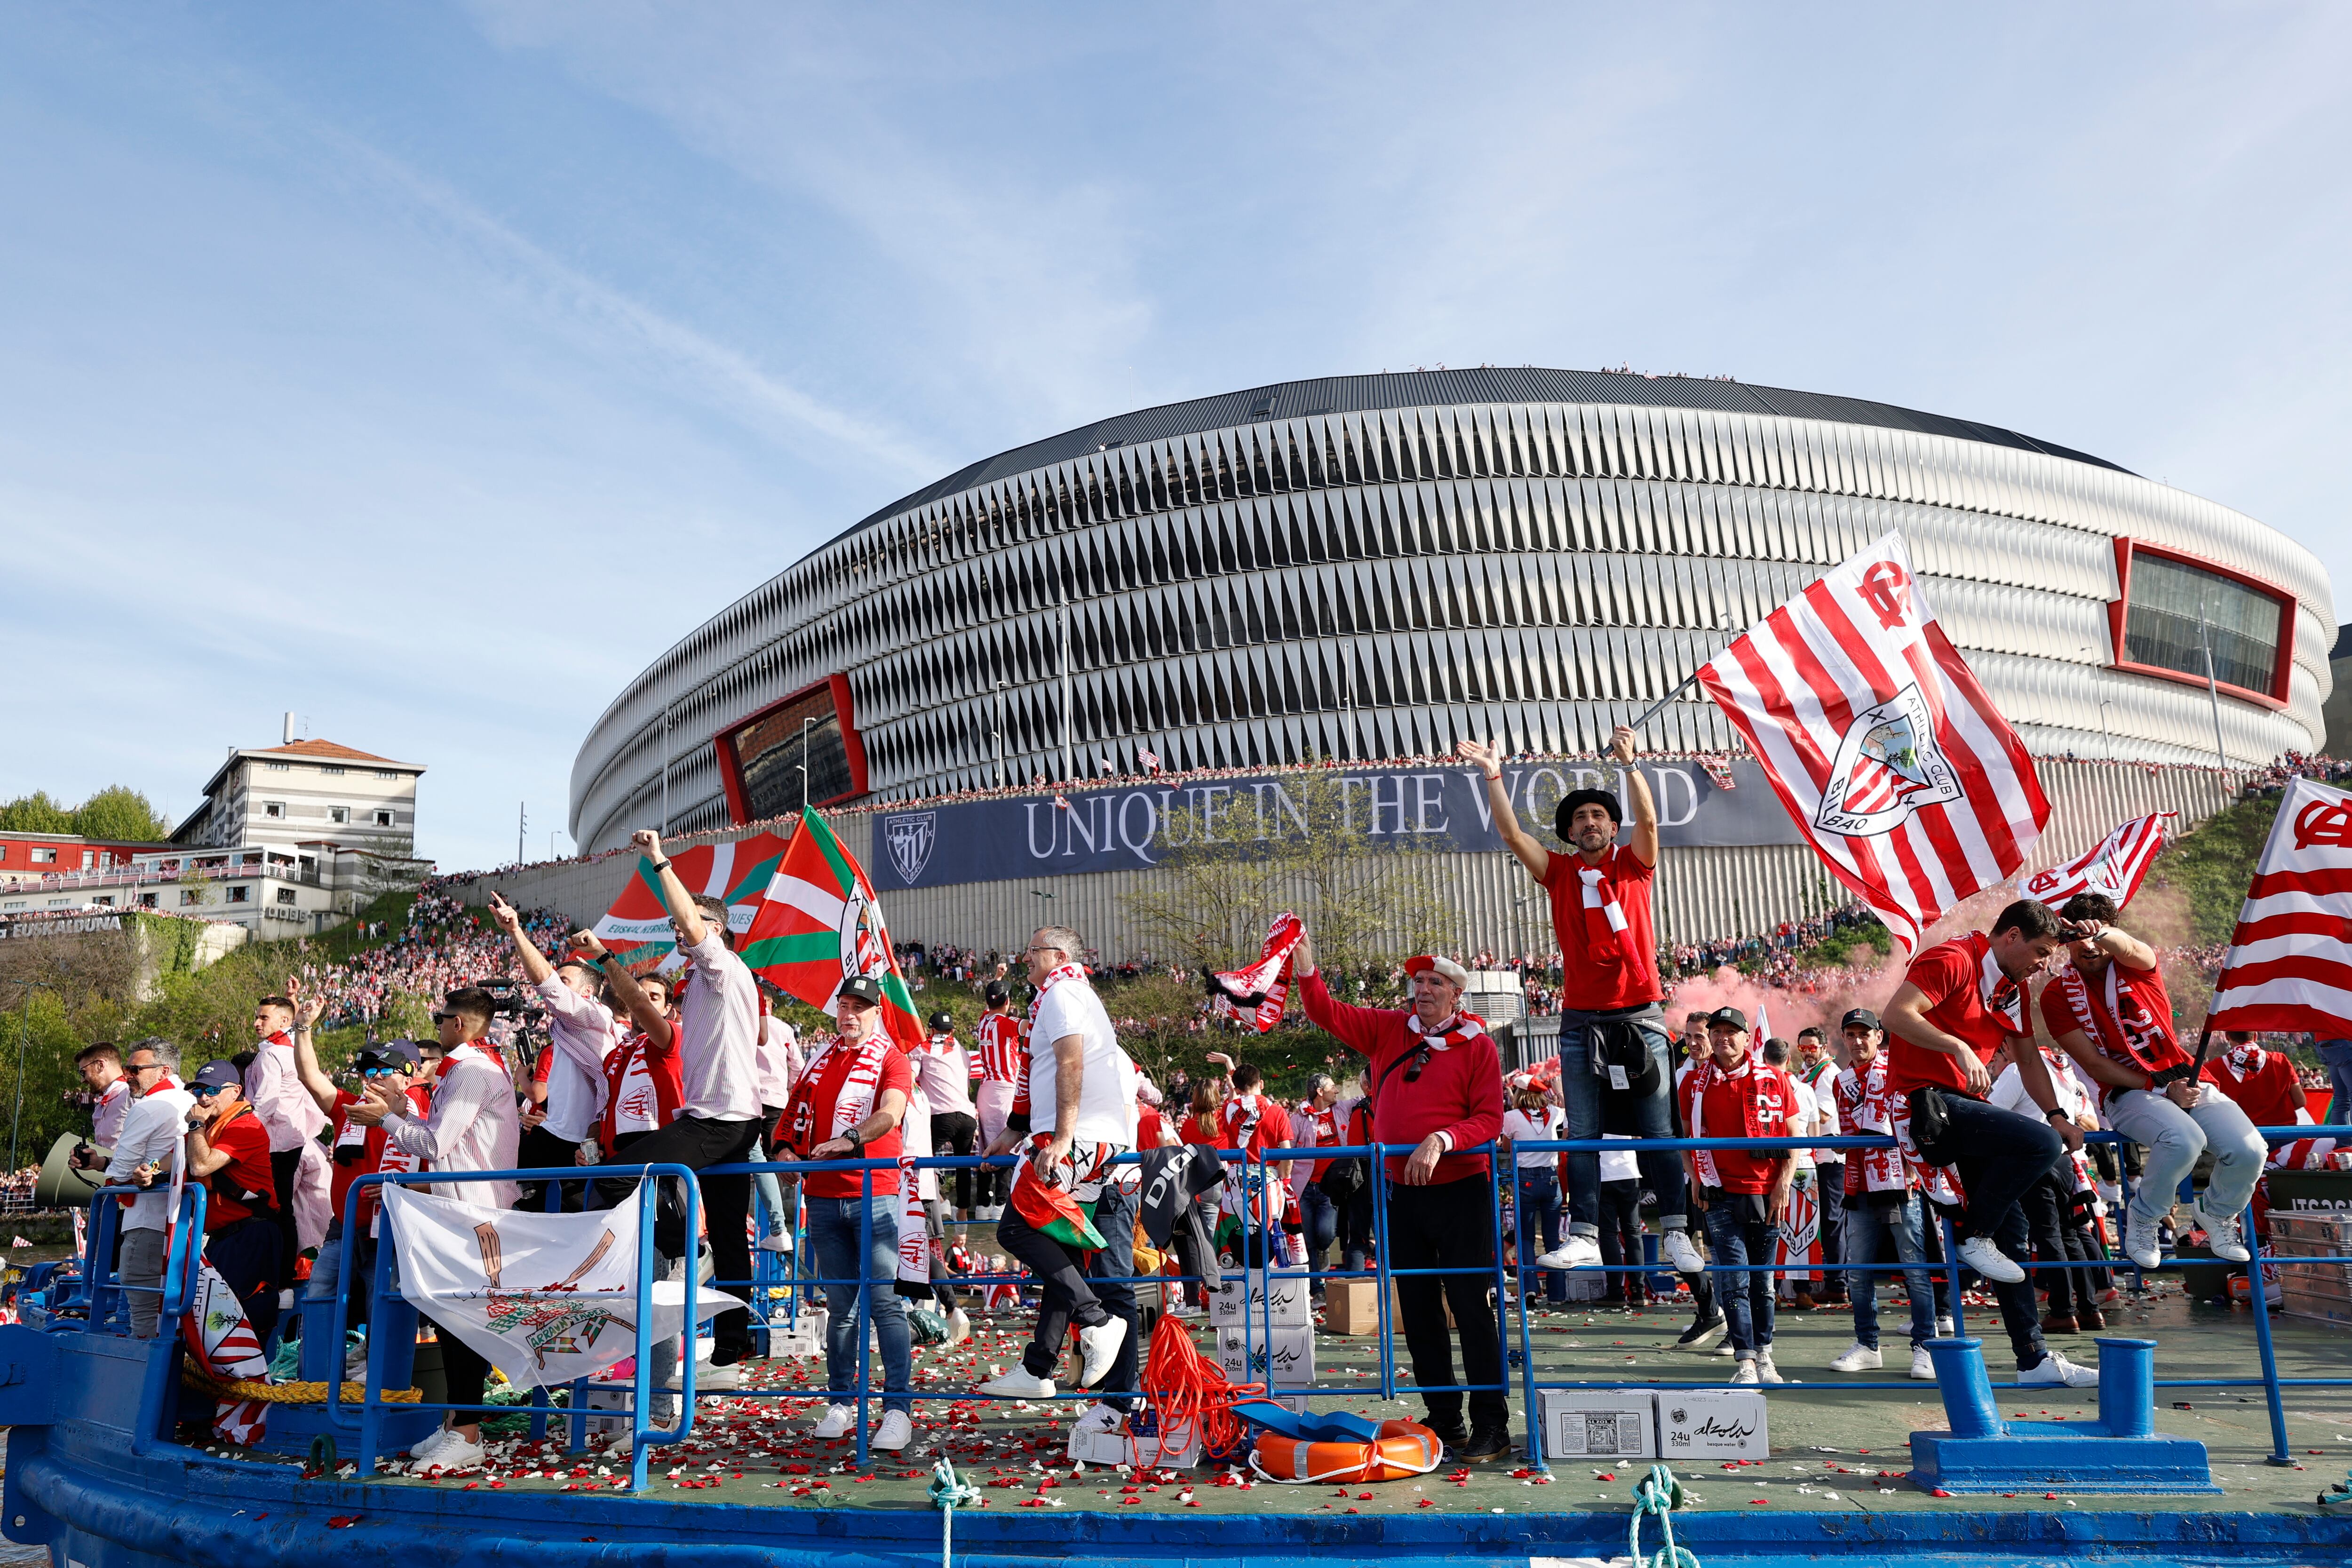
(857, 1138)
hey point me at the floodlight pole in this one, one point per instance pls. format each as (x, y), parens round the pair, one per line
(805, 782)
(2212, 687)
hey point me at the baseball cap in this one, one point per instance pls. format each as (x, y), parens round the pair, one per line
(1446, 967)
(1728, 1018)
(217, 1075)
(862, 988)
(997, 994)
(943, 1021)
(402, 1054)
(1859, 1018)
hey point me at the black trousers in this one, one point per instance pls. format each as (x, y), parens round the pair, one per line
(540, 1149)
(958, 1133)
(1449, 1226)
(284, 1166)
(2049, 1204)
(246, 1253)
(1621, 1238)
(695, 1142)
(1066, 1295)
(467, 1374)
(2001, 1156)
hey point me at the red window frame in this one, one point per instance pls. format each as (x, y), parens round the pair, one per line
(731, 766)
(2282, 674)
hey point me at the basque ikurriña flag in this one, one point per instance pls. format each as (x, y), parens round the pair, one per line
(1880, 741)
(2287, 968)
(818, 924)
(637, 926)
(2116, 866)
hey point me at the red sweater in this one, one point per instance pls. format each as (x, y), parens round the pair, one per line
(1459, 1093)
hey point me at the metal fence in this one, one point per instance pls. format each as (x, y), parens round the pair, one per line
(776, 1297)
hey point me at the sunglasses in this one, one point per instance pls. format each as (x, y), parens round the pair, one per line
(379, 1072)
(443, 1017)
(1412, 1068)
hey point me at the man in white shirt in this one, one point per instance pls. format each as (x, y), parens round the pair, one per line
(944, 1072)
(279, 1099)
(148, 1145)
(719, 1116)
(1081, 1117)
(580, 1034)
(100, 1068)
(1817, 1069)
(474, 1125)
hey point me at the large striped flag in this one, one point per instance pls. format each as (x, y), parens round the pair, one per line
(638, 925)
(1887, 752)
(2115, 866)
(818, 924)
(2288, 967)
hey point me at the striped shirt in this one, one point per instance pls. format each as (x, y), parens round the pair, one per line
(1003, 1051)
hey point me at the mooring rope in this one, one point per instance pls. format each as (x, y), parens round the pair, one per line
(1657, 1493)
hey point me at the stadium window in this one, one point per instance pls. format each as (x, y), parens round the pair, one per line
(2175, 610)
(240, 895)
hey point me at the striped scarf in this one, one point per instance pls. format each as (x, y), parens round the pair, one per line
(843, 1079)
(1608, 939)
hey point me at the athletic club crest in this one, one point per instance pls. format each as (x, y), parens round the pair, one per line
(1887, 766)
(909, 839)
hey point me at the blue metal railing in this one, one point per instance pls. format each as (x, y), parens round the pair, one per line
(99, 1294)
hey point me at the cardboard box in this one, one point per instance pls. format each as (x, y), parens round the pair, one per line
(1598, 1423)
(1282, 1302)
(1351, 1306)
(1283, 1359)
(1137, 1444)
(1712, 1424)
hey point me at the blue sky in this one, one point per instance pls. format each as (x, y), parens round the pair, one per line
(427, 369)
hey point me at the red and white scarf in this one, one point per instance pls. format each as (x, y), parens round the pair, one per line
(1751, 1125)
(1608, 939)
(1256, 995)
(1868, 1106)
(2127, 1030)
(2003, 997)
(842, 1078)
(1053, 976)
(450, 1059)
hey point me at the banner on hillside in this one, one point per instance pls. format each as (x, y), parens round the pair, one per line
(1133, 826)
(817, 923)
(1881, 742)
(544, 1298)
(637, 926)
(2116, 866)
(2287, 968)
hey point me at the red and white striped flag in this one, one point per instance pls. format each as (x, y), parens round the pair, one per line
(2116, 866)
(2288, 967)
(1879, 740)
(1151, 760)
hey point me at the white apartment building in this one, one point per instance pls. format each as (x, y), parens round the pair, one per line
(306, 792)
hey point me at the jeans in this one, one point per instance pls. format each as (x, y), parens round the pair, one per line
(1450, 1225)
(1068, 1294)
(1652, 1117)
(2337, 1056)
(2001, 1154)
(2174, 1138)
(1319, 1225)
(141, 1265)
(1537, 1207)
(1866, 1225)
(694, 1141)
(1737, 1234)
(1828, 1183)
(833, 1230)
(1111, 1272)
(1355, 1230)
(1621, 1244)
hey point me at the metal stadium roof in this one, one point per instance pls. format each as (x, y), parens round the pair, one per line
(1437, 388)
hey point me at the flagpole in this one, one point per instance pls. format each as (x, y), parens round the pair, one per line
(1659, 706)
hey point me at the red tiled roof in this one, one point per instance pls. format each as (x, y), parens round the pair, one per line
(322, 749)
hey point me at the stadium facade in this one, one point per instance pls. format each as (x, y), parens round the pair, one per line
(1370, 567)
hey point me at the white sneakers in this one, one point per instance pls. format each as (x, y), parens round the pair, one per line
(1923, 1365)
(1680, 1256)
(776, 1241)
(1746, 1372)
(1980, 1253)
(447, 1450)
(838, 1420)
(1099, 1418)
(895, 1432)
(1859, 1357)
(2057, 1369)
(1098, 1348)
(2140, 1242)
(421, 1452)
(1765, 1371)
(1017, 1384)
(2222, 1236)
(1576, 1252)
(1943, 1329)
(708, 1379)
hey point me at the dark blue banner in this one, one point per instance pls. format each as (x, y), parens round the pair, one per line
(1135, 824)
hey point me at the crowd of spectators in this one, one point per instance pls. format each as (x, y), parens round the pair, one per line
(439, 948)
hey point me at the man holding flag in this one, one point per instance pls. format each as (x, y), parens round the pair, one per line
(718, 1120)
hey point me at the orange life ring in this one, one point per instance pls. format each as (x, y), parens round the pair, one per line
(1401, 1449)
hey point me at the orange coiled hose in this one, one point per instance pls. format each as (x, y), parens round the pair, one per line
(1185, 1387)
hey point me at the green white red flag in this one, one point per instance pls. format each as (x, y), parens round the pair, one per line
(638, 925)
(819, 924)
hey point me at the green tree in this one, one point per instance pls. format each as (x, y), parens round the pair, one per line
(118, 811)
(35, 813)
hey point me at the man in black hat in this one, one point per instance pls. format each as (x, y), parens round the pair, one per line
(1613, 1032)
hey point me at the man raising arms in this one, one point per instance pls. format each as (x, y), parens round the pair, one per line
(581, 1032)
(1612, 1030)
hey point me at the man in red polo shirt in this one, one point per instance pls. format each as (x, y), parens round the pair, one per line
(1436, 1088)
(228, 1151)
(1613, 1031)
(1959, 1003)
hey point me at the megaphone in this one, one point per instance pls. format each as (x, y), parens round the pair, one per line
(61, 1186)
